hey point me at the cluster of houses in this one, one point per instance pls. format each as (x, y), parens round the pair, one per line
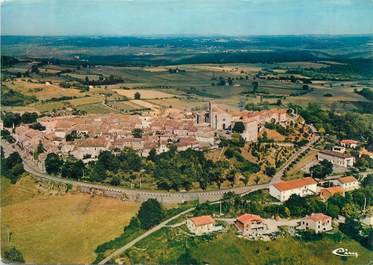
(86, 136)
(338, 155)
(253, 226)
(93, 134)
(308, 186)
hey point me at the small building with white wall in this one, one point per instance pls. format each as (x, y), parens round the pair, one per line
(317, 222)
(336, 158)
(251, 225)
(348, 183)
(284, 189)
(349, 143)
(201, 225)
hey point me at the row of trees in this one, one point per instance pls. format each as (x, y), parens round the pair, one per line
(11, 119)
(170, 170)
(12, 166)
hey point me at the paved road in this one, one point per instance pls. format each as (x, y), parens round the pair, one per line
(134, 194)
(146, 234)
(277, 177)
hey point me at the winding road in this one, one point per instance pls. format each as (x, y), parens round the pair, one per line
(146, 234)
(131, 194)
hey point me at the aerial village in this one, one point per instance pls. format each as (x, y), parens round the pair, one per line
(85, 137)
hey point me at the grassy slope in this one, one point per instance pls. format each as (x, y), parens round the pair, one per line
(60, 229)
(282, 251)
(166, 245)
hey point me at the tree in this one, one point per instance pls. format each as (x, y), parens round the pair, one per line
(328, 167)
(13, 159)
(152, 155)
(16, 172)
(368, 181)
(11, 119)
(270, 171)
(297, 205)
(137, 95)
(13, 255)
(53, 164)
(332, 210)
(40, 148)
(115, 181)
(137, 133)
(72, 168)
(29, 117)
(350, 210)
(255, 85)
(238, 127)
(187, 258)
(150, 214)
(322, 170)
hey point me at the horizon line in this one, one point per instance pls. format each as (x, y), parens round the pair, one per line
(194, 35)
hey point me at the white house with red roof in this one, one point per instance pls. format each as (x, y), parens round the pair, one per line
(251, 225)
(201, 225)
(349, 143)
(284, 189)
(318, 222)
(348, 183)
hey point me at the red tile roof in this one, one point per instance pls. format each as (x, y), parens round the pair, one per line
(294, 184)
(332, 190)
(319, 217)
(348, 141)
(347, 179)
(248, 218)
(203, 220)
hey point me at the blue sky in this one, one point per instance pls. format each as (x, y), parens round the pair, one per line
(186, 17)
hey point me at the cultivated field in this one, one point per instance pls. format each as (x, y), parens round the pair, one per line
(42, 91)
(61, 228)
(145, 93)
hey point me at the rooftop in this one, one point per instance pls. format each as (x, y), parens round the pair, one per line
(203, 220)
(347, 179)
(248, 218)
(294, 184)
(348, 141)
(318, 217)
(333, 190)
(336, 154)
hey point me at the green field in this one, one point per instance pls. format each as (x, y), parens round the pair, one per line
(167, 245)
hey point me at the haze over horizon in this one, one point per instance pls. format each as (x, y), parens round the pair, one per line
(186, 18)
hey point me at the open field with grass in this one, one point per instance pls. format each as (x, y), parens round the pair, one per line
(42, 91)
(145, 93)
(178, 103)
(61, 228)
(97, 108)
(49, 106)
(196, 83)
(166, 245)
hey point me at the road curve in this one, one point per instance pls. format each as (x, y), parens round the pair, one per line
(139, 238)
(137, 194)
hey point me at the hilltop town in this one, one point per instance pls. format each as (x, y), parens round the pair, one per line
(149, 161)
